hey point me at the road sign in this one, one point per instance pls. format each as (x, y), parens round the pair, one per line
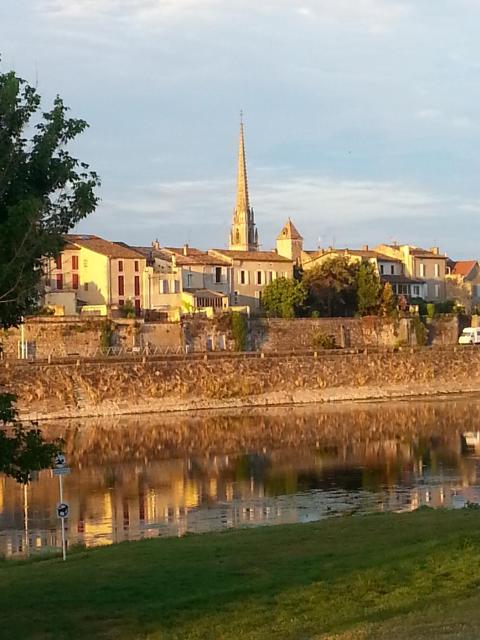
(62, 510)
(60, 460)
(62, 471)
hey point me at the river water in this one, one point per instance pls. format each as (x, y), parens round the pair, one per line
(150, 476)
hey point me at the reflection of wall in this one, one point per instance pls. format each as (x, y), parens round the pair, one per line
(137, 478)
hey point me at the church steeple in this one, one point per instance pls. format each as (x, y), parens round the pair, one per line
(243, 234)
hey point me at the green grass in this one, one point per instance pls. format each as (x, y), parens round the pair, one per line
(410, 576)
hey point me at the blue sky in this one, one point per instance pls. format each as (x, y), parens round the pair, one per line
(362, 116)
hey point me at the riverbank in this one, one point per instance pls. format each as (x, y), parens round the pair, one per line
(106, 388)
(393, 576)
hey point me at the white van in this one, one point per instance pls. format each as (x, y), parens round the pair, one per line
(470, 335)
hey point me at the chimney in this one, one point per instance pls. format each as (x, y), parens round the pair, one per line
(185, 249)
(156, 244)
(365, 247)
(435, 250)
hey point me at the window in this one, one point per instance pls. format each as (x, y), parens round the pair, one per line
(218, 274)
(121, 286)
(136, 285)
(163, 286)
(259, 277)
(85, 286)
(416, 290)
(58, 261)
(59, 281)
(176, 286)
(74, 280)
(74, 263)
(235, 297)
(270, 277)
(437, 270)
(136, 265)
(436, 289)
(120, 265)
(137, 307)
(392, 269)
(121, 303)
(382, 269)
(422, 270)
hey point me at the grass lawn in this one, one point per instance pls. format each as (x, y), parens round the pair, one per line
(410, 576)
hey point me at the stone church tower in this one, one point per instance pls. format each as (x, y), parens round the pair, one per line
(290, 242)
(243, 234)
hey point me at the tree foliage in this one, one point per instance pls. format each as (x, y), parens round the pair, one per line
(44, 191)
(369, 290)
(22, 450)
(388, 300)
(332, 287)
(283, 298)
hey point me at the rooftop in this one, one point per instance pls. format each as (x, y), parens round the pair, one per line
(190, 256)
(252, 256)
(104, 247)
(462, 267)
(289, 232)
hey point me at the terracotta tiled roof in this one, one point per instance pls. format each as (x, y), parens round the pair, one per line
(252, 256)
(361, 253)
(463, 267)
(104, 247)
(195, 256)
(150, 253)
(289, 232)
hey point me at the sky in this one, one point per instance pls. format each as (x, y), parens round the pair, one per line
(362, 117)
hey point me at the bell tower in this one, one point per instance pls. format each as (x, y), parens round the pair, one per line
(243, 233)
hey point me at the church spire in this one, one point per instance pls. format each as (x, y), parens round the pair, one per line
(242, 182)
(243, 234)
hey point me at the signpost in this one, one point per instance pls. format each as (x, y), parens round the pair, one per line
(61, 470)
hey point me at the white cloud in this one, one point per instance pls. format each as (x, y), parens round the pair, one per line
(376, 15)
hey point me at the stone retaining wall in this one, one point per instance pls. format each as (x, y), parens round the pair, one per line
(106, 388)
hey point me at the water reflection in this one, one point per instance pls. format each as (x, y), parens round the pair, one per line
(151, 476)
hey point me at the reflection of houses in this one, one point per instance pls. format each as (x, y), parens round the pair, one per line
(463, 283)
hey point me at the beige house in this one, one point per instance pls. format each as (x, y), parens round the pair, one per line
(100, 275)
(251, 272)
(429, 266)
(463, 283)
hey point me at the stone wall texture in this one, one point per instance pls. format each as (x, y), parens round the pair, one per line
(60, 337)
(104, 388)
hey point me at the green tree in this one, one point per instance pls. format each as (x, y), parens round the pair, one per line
(332, 287)
(283, 298)
(44, 192)
(388, 301)
(369, 290)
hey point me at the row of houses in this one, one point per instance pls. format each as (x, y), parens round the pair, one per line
(97, 276)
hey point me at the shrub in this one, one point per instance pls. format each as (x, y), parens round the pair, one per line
(431, 309)
(321, 340)
(421, 332)
(239, 331)
(106, 335)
